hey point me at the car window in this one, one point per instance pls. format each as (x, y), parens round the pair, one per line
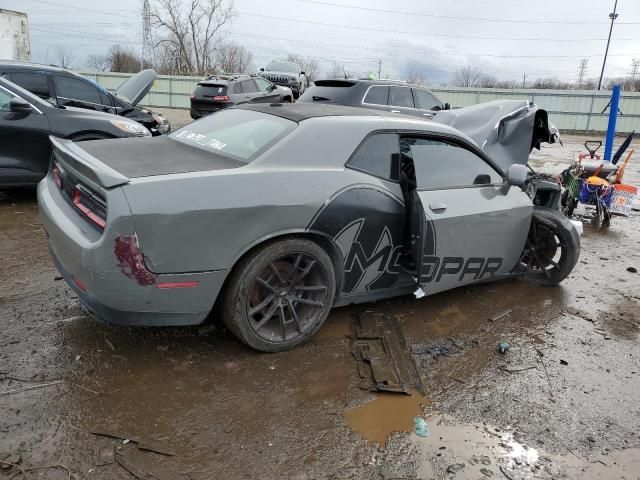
(239, 134)
(237, 87)
(377, 95)
(263, 85)
(34, 82)
(69, 88)
(375, 156)
(209, 90)
(400, 97)
(249, 86)
(440, 165)
(425, 100)
(5, 101)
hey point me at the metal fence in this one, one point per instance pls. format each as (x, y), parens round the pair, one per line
(569, 110)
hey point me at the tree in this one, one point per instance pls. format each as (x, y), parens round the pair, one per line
(415, 77)
(97, 62)
(123, 59)
(64, 56)
(468, 77)
(339, 71)
(308, 65)
(233, 58)
(189, 32)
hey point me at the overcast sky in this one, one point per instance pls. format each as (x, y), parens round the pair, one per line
(505, 38)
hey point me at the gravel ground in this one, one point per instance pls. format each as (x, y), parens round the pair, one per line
(562, 403)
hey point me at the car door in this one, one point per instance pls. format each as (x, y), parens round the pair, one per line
(377, 97)
(24, 143)
(426, 102)
(268, 91)
(76, 92)
(401, 101)
(471, 227)
(250, 91)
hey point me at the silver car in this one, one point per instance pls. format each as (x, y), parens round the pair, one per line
(273, 214)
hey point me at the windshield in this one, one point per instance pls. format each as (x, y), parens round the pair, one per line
(282, 67)
(238, 134)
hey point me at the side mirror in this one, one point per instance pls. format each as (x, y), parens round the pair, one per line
(262, 69)
(272, 87)
(517, 174)
(18, 105)
(447, 106)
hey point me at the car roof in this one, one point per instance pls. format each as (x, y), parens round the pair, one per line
(299, 112)
(33, 66)
(225, 79)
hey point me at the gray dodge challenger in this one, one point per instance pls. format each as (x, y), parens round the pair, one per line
(270, 215)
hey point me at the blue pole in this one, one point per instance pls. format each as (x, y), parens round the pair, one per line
(613, 117)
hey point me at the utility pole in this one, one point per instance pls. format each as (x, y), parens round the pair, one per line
(635, 69)
(613, 15)
(146, 34)
(379, 67)
(582, 68)
(524, 79)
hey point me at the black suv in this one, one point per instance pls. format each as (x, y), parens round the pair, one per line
(389, 95)
(68, 89)
(222, 91)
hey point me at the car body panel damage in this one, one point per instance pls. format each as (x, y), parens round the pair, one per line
(131, 260)
(507, 130)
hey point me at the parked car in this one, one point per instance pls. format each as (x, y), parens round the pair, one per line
(223, 91)
(388, 95)
(287, 74)
(66, 88)
(276, 213)
(27, 122)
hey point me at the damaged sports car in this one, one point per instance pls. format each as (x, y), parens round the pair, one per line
(269, 215)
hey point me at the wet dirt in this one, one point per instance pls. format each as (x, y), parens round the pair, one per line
(567, 388)
(387, 413)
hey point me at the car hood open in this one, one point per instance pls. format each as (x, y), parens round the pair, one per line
(136, 87)
(507, 130)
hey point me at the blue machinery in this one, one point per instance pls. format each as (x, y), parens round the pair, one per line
(613, 117)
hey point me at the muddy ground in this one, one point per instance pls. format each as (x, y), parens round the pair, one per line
(561, 403)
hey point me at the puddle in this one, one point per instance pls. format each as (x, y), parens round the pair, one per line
(337, 325)
(389, 412)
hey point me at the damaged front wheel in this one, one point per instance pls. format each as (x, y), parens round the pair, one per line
(552, 248)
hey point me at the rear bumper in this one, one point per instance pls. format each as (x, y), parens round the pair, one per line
(108, 289)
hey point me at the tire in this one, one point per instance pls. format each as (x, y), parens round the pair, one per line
(276, 271)
(83, 137)
(552, 249)
(286, 100)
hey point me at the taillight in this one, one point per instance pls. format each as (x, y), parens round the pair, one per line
(90, 205)
(57, 177)
(221, 98)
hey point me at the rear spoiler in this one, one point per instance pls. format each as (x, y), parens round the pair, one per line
(86, 164)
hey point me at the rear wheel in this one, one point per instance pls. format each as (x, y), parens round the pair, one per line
(552, 248)
(280, 295)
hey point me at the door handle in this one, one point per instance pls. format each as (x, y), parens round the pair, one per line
(395, 111)
(428, 115)
(437, 207)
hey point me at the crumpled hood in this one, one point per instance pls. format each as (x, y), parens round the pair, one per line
(136, 87)
(507, 130)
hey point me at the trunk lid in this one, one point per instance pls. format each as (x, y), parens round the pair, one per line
(134, 89)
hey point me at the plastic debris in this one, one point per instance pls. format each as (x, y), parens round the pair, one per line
(503, 347)
(420, 427)
(419, 293)
(632, 270)
(498, 316)
(578, 226)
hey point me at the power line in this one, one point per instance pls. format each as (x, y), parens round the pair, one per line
(91, 10)
(445, 35)
(453, 17)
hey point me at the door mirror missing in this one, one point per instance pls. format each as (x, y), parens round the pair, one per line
(18, 105)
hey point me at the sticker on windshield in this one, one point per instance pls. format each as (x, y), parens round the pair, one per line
(201, 139)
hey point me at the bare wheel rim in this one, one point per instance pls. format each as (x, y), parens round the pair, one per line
(545, 252)
(288, 297)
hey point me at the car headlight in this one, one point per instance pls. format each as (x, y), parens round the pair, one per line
(163, 124)
(132, 128)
